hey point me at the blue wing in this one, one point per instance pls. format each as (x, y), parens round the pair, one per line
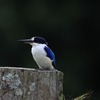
(50, 54)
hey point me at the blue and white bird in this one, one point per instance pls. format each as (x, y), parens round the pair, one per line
(42, 54)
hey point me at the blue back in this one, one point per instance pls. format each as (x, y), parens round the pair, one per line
(50, 54)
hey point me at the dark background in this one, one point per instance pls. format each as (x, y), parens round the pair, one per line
(72, 31)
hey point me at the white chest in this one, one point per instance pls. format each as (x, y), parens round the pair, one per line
(38, 51)
(40, 57)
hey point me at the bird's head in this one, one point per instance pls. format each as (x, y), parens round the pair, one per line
(34, 41)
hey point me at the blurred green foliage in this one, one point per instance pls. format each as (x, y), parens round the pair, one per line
(71, 29)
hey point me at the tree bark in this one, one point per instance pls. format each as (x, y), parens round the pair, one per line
(30, 84)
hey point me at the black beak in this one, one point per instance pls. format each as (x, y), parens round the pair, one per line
(26, 40)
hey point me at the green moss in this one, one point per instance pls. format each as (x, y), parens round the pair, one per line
(85, 96)
(61, 97)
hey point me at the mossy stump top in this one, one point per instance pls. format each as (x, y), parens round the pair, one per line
(30, 84)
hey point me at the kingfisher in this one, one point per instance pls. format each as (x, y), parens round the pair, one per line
(42, 54)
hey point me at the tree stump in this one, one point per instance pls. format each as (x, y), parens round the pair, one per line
(30, 84)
